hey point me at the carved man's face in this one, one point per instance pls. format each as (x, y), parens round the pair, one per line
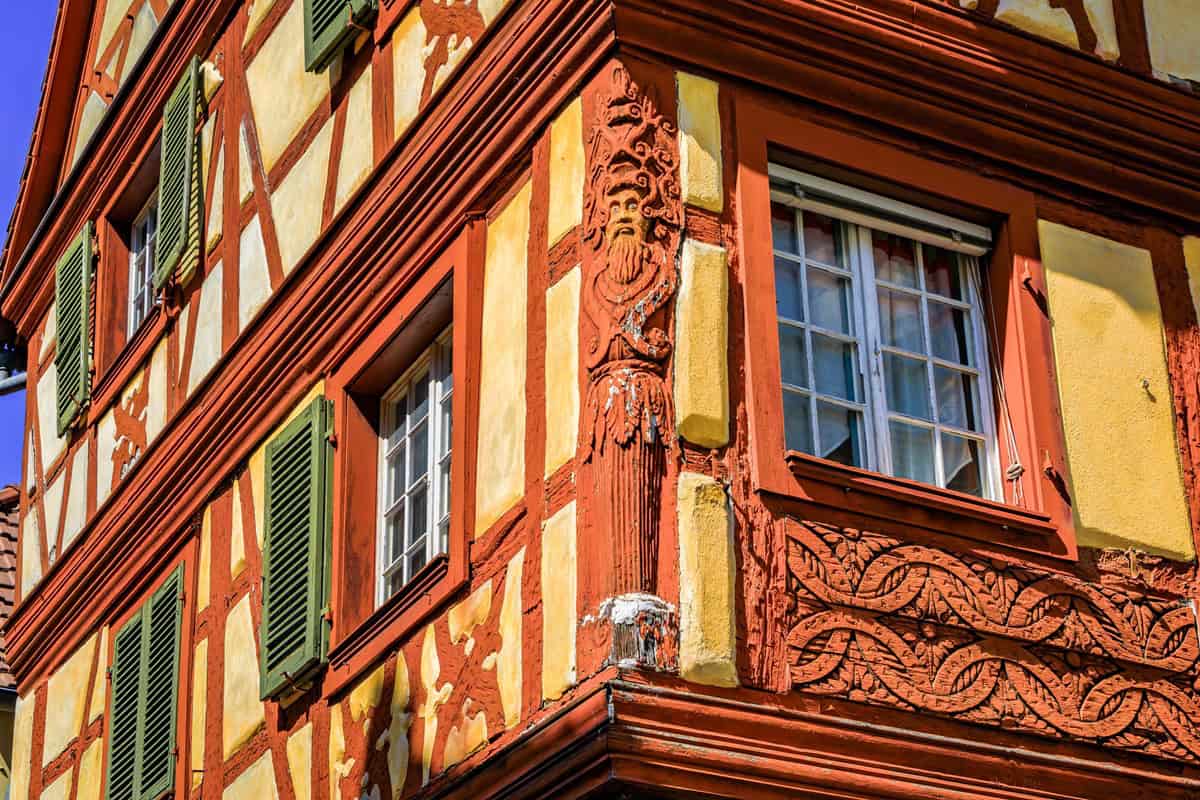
(625, 218)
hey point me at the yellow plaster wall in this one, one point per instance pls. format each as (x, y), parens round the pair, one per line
(559, 573)
(566, 171)
(256, 783)
(66, 697)
(357, 154)
(52, 445)
(296, 204)
(1046, 19)
(60, 789)
(254, 279)
(204, 568)
(1108, 340)
(283, 94)
(1173, 33)
(22, 755)
(398, 725)
(91, 770)
(702, 346)
(76, 500)
(100, 680)
(243, 713)
(500, 472)
(1191, 257)
(408, 64)
(206, 346)
(700, 142)
(562, 370)
(199, 709)
(508, 660)
(707, 569)
(31, 553)
(299, 757)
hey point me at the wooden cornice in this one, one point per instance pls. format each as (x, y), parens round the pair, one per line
(1046, 117)
(524, 70)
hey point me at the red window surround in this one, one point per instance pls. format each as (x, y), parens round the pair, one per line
(1014, 278)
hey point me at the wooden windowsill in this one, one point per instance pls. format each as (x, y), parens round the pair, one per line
(873, 494)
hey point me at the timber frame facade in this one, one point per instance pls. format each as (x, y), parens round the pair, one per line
(636, 584)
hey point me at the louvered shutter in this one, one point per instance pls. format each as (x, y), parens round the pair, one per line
(72, 359)
(160, 687)
(294, 633)
(179, 192)
(328, 27)
(123, 729)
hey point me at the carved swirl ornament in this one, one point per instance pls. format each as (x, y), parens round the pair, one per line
(882, 621)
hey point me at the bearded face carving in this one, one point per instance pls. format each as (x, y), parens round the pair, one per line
(632, 216)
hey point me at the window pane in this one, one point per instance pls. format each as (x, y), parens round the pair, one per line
(418, 513)
(416, 558)
(783, 228)
(821, 240)
(900, 320)
(943, 274)
(907, 390)
(961, 459)
(396, 482)
(396, 536)
(418, 398)
(829, 300)
(950, 331)
(797, 422)
(420, 453)
(841, 433)
(895, 259)
(955, 398)
(912, 451)
(834, 367)
(789, 301)
(794, 359)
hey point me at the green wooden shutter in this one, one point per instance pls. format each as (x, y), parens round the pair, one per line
(72, 359)
(179, 192)
(328, 27)
(126, 677)
(294, 633)
(160, 687)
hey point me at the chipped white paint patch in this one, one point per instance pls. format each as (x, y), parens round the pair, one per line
(297, 203)
(76, 516)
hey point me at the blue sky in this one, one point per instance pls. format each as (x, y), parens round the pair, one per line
(24, 48)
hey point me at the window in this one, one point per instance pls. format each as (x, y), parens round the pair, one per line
(414, 523)
(882, 334)
(142, 239)
(145, 694)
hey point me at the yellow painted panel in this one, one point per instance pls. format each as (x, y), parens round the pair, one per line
(562, 370)
(243, 713)
(199, 707)
(299, 756)
(298, 201)
(100, 680)
(401, 721)
(707, 570)
(1040, 18)
(91, 767)
(700, 142)
(500, 473)
(358, 152)
(408, 70)
(1116, 398)
(508, 660)
(22, 755)
(1191, 257)
(283, 94)
(1173, 33)
(702, 346)
(60, 789)
(66, 694)
(559, 602)
(566, 171)
(204, 568)
(256, 783)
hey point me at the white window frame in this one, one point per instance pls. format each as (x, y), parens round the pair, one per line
(436, 362)
(143, 244)
(863, 212)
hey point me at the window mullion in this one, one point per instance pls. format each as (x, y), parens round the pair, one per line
(985, 406)
(938, 467)
(814, 426)
(872, 344)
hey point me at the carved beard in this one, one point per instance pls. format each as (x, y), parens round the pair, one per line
(627, 256)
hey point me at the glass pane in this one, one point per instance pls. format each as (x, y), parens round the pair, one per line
(396, 581)
(829, 300)
(900, 320)
(907, 390)
(797, 422)
(418, 513)
(789, 302)
(955, 398)
(418, 398)
(895, 259)
(444, 490)
(834, 367)
(416, 558)
(943, 274)
(396, 433)
(396, 535)
(840, 432)
(420, 453)
(783, 229)
(447, 427)
(950, 332)
(396, 484)
(793, 358)
(912, 451)
(962, 461)
(821, 240)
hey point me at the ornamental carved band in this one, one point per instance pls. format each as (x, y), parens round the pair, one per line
(900, 624)
(632, 216)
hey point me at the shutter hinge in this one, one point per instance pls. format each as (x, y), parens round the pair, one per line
(1027, 283)
(1055, 477)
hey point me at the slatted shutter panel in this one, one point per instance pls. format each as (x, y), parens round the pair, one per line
(160, 686)
(328, 27)
(123, 729)
(179, 192)
(296, 550)
(72, 359)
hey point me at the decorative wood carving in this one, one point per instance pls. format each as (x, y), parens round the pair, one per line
(889, 622)
(632, 221)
